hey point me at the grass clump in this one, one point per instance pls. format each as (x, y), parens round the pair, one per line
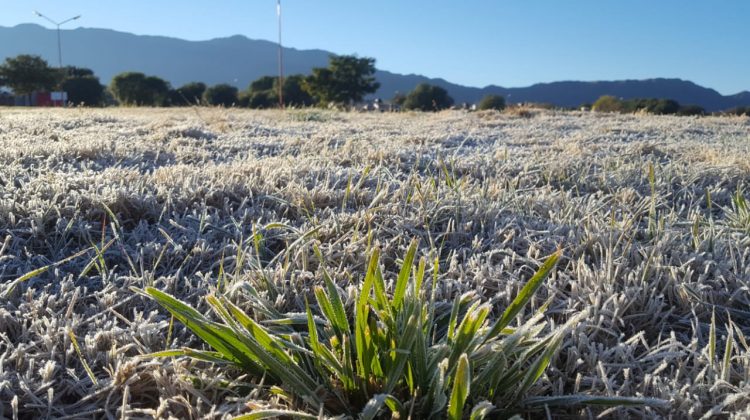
(395, 350)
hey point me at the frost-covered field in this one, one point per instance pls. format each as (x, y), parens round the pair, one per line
(490, 194)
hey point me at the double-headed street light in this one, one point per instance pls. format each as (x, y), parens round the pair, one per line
(58, 24)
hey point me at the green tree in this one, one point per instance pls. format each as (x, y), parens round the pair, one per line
(264, 92)
(495, 102)
(25, 74)
(650, 105)
(426, 97)
(262, 84)
(73, 71)
(665, 107)
(132, 88)
(82, 86)
(607, 103)
(294, 91)
(398, 99)
(188, 94)
(740, 110)
(260, 94)
(258, 100)
(83, 90)
(221, 94)
(159, 91)
(688, 110)
(346, 80)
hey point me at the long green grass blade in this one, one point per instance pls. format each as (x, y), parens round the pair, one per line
(41, 270)
(338, 314)
(579, 400)
(361, 325)
(403, 275)
(461, 388)
(221, 338)
(85, 364)
(726, 366)
(525, 295)
(377, 403)
(712, 341)
(438, 399)
(323, 358)
(206, 356)
(275, 414)
(269, 343)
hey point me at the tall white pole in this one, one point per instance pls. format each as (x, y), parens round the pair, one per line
(281, 58)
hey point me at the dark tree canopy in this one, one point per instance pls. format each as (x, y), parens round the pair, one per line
(25, 74)
(83, 90)
(262, 84)
(132, 88)
(294, 91)
(426, 97)
(82, 86)
(264, 93)
(261, 94)
(688, 110)
(346, 80)
(399, 99)
(73, 71)
(188, 94)
(495, 102)
(650, 105)
(221, 95)
(607, 103)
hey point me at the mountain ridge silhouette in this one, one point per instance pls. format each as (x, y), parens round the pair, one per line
(238, 60)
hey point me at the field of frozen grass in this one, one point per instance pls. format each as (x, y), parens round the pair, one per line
(648, 211)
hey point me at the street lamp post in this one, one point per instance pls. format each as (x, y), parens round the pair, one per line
(59, 42)
(281, 59)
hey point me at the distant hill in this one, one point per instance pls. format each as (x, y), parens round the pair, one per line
(238, 60)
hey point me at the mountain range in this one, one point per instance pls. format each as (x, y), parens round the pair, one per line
(238, 60)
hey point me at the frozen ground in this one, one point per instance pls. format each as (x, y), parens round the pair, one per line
(492, 194)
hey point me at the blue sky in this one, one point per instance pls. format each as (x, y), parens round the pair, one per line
(476, 43)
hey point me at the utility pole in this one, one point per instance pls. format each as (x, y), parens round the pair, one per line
(281, 58)
(59, 42)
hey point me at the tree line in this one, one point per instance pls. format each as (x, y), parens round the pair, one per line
(26, 74)
(608, 103)
(344, 82)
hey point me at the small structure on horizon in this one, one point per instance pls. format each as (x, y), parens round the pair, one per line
(38, 98)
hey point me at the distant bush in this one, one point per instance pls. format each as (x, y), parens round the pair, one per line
(294, 91)
(607, 103)
(495, 102)
(740, 110)
(427, 97)
(264, 93)
(649, 105)
(83, 90)
(132, 88)
(221, 95)
(82, 86)
(398, 99)
(188, 94)
(690, 110)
